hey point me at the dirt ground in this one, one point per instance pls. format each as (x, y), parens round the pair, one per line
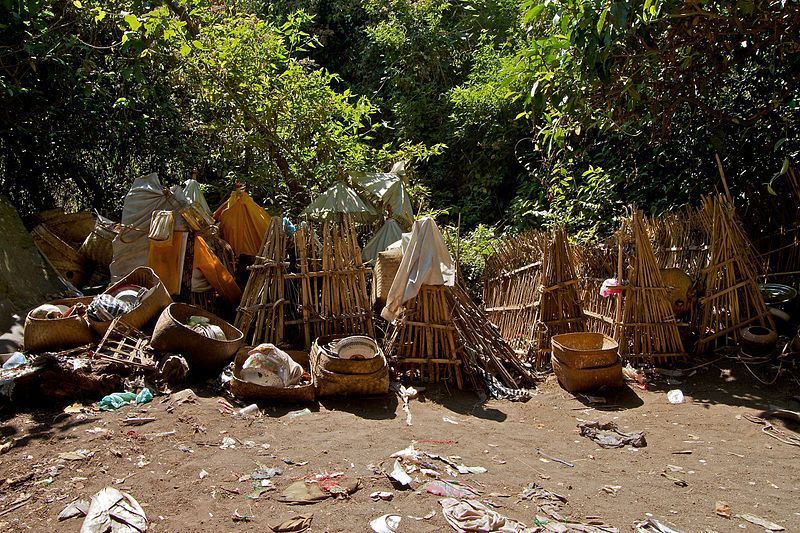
(726, 458)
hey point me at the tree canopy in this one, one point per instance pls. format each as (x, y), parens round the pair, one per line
(511, 114)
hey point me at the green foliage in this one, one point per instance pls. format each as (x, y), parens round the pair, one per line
(472, 249)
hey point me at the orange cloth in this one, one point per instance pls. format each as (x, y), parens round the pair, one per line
(242, 223)
(215, 272)
(166, 260)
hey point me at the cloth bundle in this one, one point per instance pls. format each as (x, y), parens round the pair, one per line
(105, 307)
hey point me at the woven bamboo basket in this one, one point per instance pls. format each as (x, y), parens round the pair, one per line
(585, 350)
(64, 258)
(587, 379)
(385, 270)
(172, 335)
(148, 309)
(335, 384)
(302, 392)
(57, 334)
(97, 246)
(331, 363)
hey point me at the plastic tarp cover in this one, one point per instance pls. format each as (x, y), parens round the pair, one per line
(193, 193)
(389, 233)
(426, 261)
(340, 198)
(390, 189)
(131, 246)
(166, 260)
(242, 223)
(215, 272)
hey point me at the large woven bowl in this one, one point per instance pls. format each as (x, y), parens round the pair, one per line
(585, 349)
(588, 379)
(331, 363)
(303, 392)
(336, 384)
(203, 354)
(148, 309)
(57, 334)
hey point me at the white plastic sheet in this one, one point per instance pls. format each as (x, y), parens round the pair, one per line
(426, 261)
(193, 193)
(340, 198)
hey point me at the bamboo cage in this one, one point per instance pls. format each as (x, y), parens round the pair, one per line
(441, 335)
(260, 315)
(333, 282)
(646, 327)
(732, 299)
(510, 281)
(424, 339)
(558, 307)
(680, 240)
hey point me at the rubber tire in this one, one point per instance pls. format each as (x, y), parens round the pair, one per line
(758, 341)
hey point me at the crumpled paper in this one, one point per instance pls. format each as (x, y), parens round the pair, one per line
(116, 511)
(608, 436)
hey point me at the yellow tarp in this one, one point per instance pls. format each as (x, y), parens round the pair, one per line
(166, 260)
(215, 272)
(242, 223)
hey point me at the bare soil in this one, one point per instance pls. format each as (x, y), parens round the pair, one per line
(731, 459)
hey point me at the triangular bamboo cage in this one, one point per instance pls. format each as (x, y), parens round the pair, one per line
(260, 315)
(424, 339)
(441, 335)
(732, 299)
(334, 282)
(558, 307)
(646, 328)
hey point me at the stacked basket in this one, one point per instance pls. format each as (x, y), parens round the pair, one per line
(586, 361)
(336, 375)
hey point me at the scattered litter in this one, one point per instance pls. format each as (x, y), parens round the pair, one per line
(675, 396)
(451, 489)
(634, 376)
(380, 495)
(762, 522)
(472, 515)
(224, 406)
(682, 452)
(723, 509)
(678, 481)
(300, 413)
(654, 526)
(241, 517)
(426, 517)
(115, 400)
(6, 443)
(549, 502)
(406, 394)
(75, 408)
(399, 474)
(251, 409)
(594, 400)
(296, 524)
(608, 436)
(291, 462)
(138, 421)
(556, 459)
(774, 432)
(322, 487)
(387, 523)
(113, 510)
(228, 442)
(203, 474)
(184, 396)
(74, 509)
(449, 420)
(144, 396)
(77, 455)
(266, 473)
(611, 489)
